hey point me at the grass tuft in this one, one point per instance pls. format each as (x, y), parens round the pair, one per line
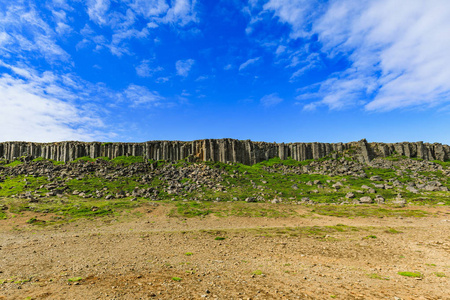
(411, 274)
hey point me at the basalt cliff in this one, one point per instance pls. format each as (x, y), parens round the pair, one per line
(223, 150)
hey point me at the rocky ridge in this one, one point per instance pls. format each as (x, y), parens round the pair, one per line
(222, 150)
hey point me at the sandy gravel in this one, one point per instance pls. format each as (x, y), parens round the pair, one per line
(260, 258)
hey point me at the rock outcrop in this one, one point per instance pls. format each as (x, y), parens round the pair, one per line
(223, 150)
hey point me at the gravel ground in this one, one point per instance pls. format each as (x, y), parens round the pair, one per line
(154, 256)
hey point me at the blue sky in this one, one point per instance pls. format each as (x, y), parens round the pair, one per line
(272, 70)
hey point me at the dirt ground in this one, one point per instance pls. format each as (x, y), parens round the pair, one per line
(154, 256)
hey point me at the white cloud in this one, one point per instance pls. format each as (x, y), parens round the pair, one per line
(97, 11)
(280, 49)
(184, 66)
(248, 62)
(270, 100)
(297, 13)
(149, 8)
(144, 69)
(162, 79)
(181, 12)
(140, 95)
(396, 50)
(39, 108)
(23, 31)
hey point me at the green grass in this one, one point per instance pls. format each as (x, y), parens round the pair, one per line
(84, 158)
(192, 209)
(188, 254)
(392, 231)
(90, 184)
(257, 272)
(71, 208)
(366, 211)
(75, 279)
(20, 184)
(13, 163)
(176, 279)
(35, 221)
(226, 209)
(219, 238)
(319, 232)
(411, 274)
(2, 215)
(128, 160)
(371, 237)
(440, 274)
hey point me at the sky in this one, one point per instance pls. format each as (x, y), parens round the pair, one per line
(265, 70)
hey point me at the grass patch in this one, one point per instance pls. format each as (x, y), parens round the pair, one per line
(188, 253)
(440, 274)
(2, 215)
(75, 279)
(257, 272)
(321, 232)
(365, 211)
(13, 163)
(128, 160)
(176, 278)
(35, 221)
(191, 209)
(70, 209)
(411, 274)
(219, 238)
(393, 231)
(371, 237)
(226, 209)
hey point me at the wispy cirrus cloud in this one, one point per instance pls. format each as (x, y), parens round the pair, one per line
(23, 32)
(395, 51)
(140, 95)
(271, 100)
(45, 108)
(248, 63)
(134, 20)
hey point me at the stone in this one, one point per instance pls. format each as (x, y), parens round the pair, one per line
(365, 200)
(350, 195)
(379, 199)
(412, 189)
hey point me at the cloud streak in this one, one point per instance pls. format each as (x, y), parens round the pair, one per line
(271, 100)
(249, 62)
(24, 32)
(33, 109)
(395, 51)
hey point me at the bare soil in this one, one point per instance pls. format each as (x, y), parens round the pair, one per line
(148, 255)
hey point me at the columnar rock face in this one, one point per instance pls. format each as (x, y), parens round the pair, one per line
(223, 150)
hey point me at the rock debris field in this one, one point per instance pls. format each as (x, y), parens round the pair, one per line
(133, 228)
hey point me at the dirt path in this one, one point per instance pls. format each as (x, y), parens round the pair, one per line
(160, 257)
